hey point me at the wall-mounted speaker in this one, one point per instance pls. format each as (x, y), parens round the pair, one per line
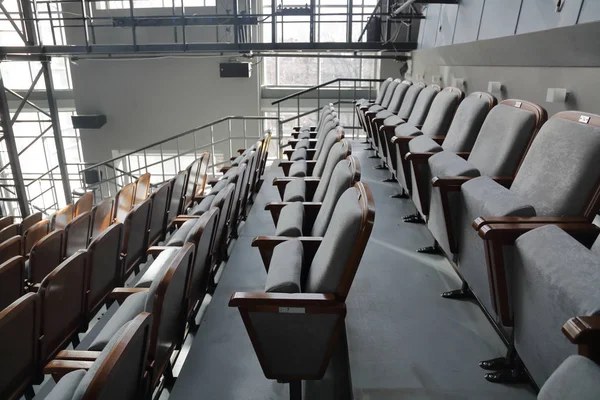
(88, 121)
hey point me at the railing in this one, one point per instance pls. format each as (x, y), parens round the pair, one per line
(163, 159)
(340, 92)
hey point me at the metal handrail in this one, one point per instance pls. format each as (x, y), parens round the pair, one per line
(313, 88)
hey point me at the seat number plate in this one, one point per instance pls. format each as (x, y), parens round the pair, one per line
(518, 104)
(292, 310)
(584, 119)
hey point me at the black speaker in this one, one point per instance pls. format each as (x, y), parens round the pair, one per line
(88, 121)
(92, 176)
(235, 70)
(374, 30)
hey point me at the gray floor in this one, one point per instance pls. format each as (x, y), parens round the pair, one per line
(404, 340)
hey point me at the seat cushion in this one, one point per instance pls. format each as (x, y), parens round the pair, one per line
(304, 135)
(394, 120)
(219, 186)
(298, 169)
(446, 163)
(237, 160)
(178, 238)
(285, 268)
(298, 154)
(407, 130)
(424, 144)
(66, 387)
(384, 114)
(295, 191)
(494, 199)
(290, 220)
(131, 307)
(156, 267)
(577, 377)
(376, 108)
(303, 144)
(204, 205)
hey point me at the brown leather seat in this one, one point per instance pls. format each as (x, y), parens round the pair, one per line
(84, 204)
(19, 335)
(176, 198)
(102, 217)
(142, 188)
(12, 280)
(61, 218)
(124, 202)
(29, 221)
(77, 234)
(11, 248)
(6, 221)
(158, 220)
(10, 231)
(45, 255)
(32, 235)
(135, 237)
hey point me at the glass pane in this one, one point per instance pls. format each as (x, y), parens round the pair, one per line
(332, 68)
(269, 71)
(298, 71)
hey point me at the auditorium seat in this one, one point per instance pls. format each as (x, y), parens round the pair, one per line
(250, 160)
(196, 180)
(310, 132)
(392, 108)
(135, 238)
(10, 248)
(6, 221)
(176, 197)
(385, 102)
(436, 126)
(45, 255)
(309, 149)
(378, 99)
(498, 150)
(101, 217)
(124, 202)
(142, 189)
(61, 218)
(578, 377)
(460, 139)
(296, 218)
(29, 221)
(241, 182)
(200, 232)
(262, 163)
(559, 178)
(10, 231)
(77, 234)
(117, 372)
(164, 299)
(19, 346)
(310, 167)
(157, 230)
(383, 141)
(301, 311)
(32, 235)
(84, 204)
(12, 280)
(307, 138)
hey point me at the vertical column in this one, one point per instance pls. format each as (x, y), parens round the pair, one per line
(53, 109)
(13, 154)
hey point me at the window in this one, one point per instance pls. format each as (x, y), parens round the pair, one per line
(124, 4)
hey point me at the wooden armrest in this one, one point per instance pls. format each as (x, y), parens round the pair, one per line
(508, 233)
(212, 181)
(451, 183)
(311, 209)
(227, 168)
(295, 134)
(198, 199)
(266, 244)
(241, 151)
(77, 355)
(582, 330)
(399, 140)
(182, 219)
(120, 294)
(418, 157)
(254, 299)
(232, 158)
(59, 368)
(285, 166)
(480, 221)
(156, 250)
(438, 139)
(379, 120)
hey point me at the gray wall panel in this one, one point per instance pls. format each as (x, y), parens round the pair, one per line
(538, 15)
(499, 18)
(446, 25)
(590, 11)
(467, 24)
(431, 27)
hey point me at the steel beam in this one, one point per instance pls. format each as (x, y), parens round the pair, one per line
(60, 149)
(11, 149)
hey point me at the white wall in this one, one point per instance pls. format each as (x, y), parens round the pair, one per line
(471, 20)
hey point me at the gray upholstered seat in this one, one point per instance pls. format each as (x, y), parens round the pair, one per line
(408, 102)
(498, 149)
(577, 377)
(298, 154)
(290, 220)
(557, 178)
(329, 122)
(380, 93)
(204, 205)
(286, 268)
(303, 144)
(299, 168)
(554, 278)
(387, 97)
(295, 190)
(395, 101)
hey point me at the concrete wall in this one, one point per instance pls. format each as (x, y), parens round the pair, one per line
(526, 65)
(471, 20)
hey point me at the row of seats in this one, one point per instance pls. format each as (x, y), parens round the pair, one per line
(509, 195)
(161, 301)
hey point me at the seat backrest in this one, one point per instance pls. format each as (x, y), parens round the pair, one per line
(344, 176)
(102, 217)
(33, 234)
(118, 371)
(578, 377)
(382, 90)
(504, 137)
(240, 181)
(104, 254)
(167, 303)
(158, 216)
(12, 278)
(325, 111)
(46, 255)
(265, 153)
(77, 234)
(322, 140)
(410, 98)
(223, 201)
(389, 93)
(31, 220)
(135, 235)
(60, 219)
(62, 298)
(19, 335)
(442, 111)
(10, 231)
(84, 204)
(10, 248)
(334, 265)
(329, 141)
(422, 105)
(245, 194)
(142, 188)
(202, 175)
(325, 165)
(338, 152)
(176, 196)
(467, 122)
(331, 121)
(560, 174)
(398, 96)
(124, 202)
(6, 221)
